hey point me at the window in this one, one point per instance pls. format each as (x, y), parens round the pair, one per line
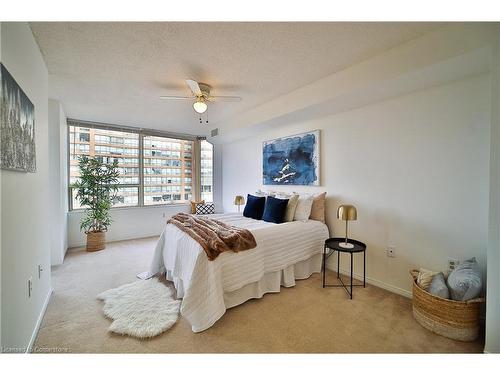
(84, 137)
(206, 171)
(87, 141)
(153, 169)
(164, 178)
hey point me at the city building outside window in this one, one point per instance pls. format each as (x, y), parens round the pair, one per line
(154, 170)
(164, 178)
(108, 146)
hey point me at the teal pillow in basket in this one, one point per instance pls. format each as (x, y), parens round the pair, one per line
(438, 286)
(465, 281)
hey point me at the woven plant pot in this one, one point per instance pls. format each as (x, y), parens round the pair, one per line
(96, 241)
(457, 320)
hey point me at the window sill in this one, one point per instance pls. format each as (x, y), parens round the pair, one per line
(133, 208)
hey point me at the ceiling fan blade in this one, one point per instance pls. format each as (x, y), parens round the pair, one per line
(176, 97)
(195, 88)
(225, 99)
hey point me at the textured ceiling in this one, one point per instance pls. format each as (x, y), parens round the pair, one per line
(114, 72)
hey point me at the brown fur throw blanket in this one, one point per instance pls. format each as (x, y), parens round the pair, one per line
(214, 236)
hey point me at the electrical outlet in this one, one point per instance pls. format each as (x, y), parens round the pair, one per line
(452, 264)
(391, 251)
(40, 270)
(30, 287)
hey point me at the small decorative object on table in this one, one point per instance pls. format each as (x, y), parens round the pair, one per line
(238, 201)
(347, 213)
(335, 244)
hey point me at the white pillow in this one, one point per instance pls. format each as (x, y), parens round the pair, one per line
(303, 210)
(261, 193)
(281, 195)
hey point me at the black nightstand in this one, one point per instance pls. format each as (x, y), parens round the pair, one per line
(334, 245)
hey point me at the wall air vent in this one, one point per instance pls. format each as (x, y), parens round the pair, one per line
(214, 132)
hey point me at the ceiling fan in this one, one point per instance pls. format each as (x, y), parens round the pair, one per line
(201, 96)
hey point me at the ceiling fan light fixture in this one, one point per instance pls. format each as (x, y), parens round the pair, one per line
(200, 106)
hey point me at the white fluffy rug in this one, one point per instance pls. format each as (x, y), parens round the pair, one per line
(143, 309)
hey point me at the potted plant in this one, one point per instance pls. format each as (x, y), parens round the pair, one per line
(95, 190)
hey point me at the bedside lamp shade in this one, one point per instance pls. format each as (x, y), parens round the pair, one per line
(347, 213)
(239, 200)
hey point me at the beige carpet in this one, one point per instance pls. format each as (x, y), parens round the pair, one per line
(305, 318)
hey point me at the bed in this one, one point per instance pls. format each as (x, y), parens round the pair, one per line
(284, 253)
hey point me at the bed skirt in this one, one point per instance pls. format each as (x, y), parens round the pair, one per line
(270, 282)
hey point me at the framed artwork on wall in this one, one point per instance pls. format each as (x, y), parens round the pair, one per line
(17, 149)
(292, 160)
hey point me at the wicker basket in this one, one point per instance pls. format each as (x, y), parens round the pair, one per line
(96, 241)
(454, 319)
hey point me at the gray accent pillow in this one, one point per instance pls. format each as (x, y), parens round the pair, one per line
(438, 286)
(465, 281)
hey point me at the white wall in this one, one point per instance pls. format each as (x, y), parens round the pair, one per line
(128, 223)
(58, 176)
(493, 287)
(416, 167)
(25, 200)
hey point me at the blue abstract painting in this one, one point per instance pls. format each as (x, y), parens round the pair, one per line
(292, 160)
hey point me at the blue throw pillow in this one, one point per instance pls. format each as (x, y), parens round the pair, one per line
(275, 209)
(254, 207)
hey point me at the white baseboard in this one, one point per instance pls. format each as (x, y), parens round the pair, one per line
(375, 282)
(39, 321)
(79, 245)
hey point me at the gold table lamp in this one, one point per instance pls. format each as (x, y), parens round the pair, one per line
(239, 200)
(347, 213)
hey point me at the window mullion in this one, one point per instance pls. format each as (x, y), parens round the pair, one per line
(141, 169)
(68, 167)
(196, 183)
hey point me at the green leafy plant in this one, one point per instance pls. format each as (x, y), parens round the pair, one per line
(96, 190)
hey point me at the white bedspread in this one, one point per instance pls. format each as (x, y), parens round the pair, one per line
(202, 283)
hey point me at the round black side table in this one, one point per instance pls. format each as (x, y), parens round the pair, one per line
(334, 245)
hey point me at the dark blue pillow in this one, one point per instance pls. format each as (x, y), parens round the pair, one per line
(254, 207)
(274, 211)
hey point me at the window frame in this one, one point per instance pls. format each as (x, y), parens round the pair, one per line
(199, 171)
(142, 132)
